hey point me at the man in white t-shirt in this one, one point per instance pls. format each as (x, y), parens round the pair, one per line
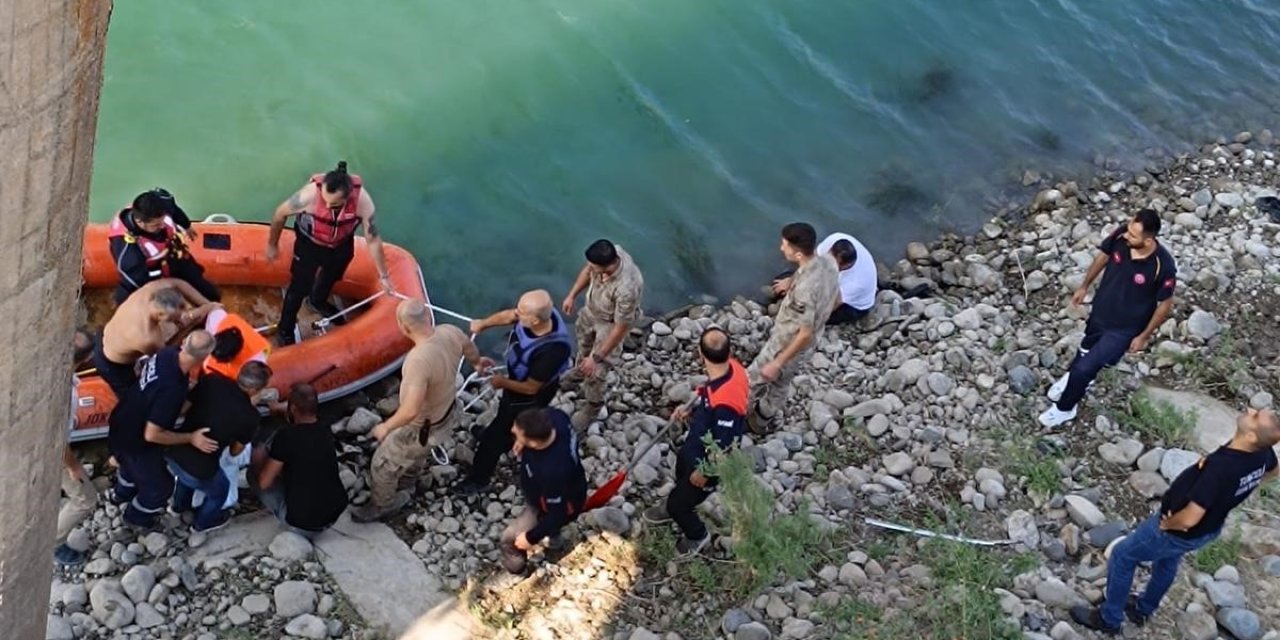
(858, 279)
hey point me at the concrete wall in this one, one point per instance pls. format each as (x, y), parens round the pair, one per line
(51, 54)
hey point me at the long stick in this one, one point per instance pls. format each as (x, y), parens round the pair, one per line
(930, 534)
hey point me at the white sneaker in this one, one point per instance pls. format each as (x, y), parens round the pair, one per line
(1055, 417)
(1055, 391)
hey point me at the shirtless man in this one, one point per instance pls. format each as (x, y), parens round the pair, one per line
(428, 410)
(137, 328)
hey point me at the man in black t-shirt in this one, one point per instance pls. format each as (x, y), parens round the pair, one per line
(299, 481)
(552, 480)
(1133, 299)
(142, 424)
(1191, 515)
(226, 408)
(539, 351)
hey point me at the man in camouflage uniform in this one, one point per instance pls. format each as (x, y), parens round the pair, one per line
(811, 295)
(614, 288)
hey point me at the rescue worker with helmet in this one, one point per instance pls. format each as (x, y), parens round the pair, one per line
(329, 209)
(149, 242)
(539, 351)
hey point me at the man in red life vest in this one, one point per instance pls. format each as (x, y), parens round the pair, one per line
(148, 242)
(329, 209)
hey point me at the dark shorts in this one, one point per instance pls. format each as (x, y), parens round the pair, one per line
(118, 376)
(845, 314)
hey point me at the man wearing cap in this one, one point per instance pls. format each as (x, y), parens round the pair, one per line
(614, 288)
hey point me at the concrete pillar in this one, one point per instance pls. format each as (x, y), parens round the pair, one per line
(50, 76)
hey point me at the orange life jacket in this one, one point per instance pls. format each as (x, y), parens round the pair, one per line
(254, 344)
(323, 226)
(156, 252)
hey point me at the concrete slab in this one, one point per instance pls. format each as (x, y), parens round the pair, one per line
(388, 583)
(244, 535)
(1215, 420)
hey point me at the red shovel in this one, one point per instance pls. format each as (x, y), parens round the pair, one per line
(608, 490)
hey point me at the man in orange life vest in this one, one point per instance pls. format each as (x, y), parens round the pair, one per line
(329, 209)
(148, 242)
(719, 412)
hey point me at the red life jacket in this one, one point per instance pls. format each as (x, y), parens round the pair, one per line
(321, 225)
(156, 252)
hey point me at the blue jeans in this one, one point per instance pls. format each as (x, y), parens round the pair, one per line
(1147, 544)
(215, 489)
(1101, 348)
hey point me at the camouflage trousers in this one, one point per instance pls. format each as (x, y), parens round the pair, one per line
(406, 452)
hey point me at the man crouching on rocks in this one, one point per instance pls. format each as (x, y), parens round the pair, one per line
(552, 479)
(801, 315)
(1191, 516)
(720, 412)
(428, 409)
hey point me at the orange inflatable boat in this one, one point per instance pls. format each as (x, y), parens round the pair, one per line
(340, 359)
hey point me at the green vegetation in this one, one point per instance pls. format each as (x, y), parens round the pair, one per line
(1221, 370)
(1219, 553)
(1157, 419)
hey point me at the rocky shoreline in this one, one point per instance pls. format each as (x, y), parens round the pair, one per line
(923, 416)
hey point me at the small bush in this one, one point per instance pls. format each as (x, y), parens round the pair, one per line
(1158, 419)
(1219, 553)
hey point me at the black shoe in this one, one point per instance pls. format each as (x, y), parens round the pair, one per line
(219, 523)
(1091, 618)
(1135, 616)
(285, 338)
(469, 488)
(326, 310)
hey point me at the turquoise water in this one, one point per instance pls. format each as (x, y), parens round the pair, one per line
(500, 137)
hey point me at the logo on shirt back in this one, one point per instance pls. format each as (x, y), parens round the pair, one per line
(1139, 279)
(1251, 481)
(1115, 257)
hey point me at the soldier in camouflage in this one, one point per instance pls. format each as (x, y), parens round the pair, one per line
(813, 293)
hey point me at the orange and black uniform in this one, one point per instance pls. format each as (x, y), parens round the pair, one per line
(721, 411)
(141, 256)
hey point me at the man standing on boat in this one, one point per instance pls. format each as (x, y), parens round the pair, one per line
(1133, 299)
(812, 294)
(614, 288)
(329, 209)
(539, 351)
(428, 410)
(149, 242)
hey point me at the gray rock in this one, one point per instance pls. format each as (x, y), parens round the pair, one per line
(732, 620)
(940, 384)
(111, 606)
(237, 616)
(147, 616)
(1227, 573)
(1150, 461)
(660, 328)
(839, 399)
(797, 628)
(1148, 484)
(137, 583)
(1021, 526)
(968, 319)
(868, 408)
(1229, 200)
(156, 543)
(1202, 325)
(898, 464)
(1175, 461)
(1270, 564)
(1063, 631)
(75, 597)
(1054, 593)
(1037, 280)
(294, 598)
(644, 474)
(79, 539)
(1202, 198)
(642, 633)
(1123, 453)
(1083, 512)
(1022, 380)
(852, 575)
(100, 567)
(1242, 623)
(1259, 400)
(1198, 625)
(912, 370)
(753, 631)
(877, 425)
(1225, 594)
(57, 628)
(290, 547)
(611, 519)
(839, 497)
(1102, 536)
(307, 626)
(362, 421)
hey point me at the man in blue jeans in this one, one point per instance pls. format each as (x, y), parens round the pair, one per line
(1191, 515)
(226, 408)
(297, 471)
(1133, 299)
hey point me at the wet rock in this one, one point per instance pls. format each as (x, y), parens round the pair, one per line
(290, 547)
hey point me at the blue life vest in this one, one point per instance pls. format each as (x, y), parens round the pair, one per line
(522, 343)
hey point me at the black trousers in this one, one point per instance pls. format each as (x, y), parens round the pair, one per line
(497, 439)
(188, 270)
(314, 271)
(683, 501)
(845, 314)
(117, 376)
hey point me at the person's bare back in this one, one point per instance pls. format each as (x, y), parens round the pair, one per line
(138, 326)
